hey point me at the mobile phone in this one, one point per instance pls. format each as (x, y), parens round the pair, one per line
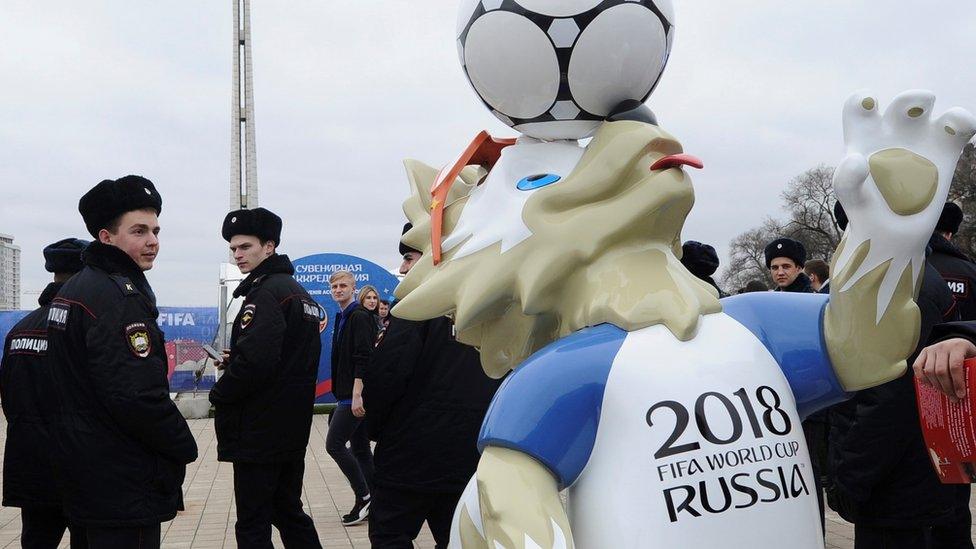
(213, 352)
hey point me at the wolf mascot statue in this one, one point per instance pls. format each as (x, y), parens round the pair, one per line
(669, 418)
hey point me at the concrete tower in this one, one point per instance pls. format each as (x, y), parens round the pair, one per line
(243, 163)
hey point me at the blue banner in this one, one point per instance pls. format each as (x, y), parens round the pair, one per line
(186, 330)
(7, 321)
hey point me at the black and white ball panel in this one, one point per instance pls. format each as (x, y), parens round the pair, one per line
(527, 60)
(559, 8)
(553, 69)
(635, 73)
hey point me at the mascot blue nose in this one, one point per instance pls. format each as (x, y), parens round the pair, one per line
(536, 181)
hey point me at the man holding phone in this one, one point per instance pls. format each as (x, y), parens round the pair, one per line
(264, 398)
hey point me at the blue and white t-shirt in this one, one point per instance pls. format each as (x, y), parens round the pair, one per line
(666, 443)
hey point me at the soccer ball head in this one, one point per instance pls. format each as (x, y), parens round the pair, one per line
(554, 69)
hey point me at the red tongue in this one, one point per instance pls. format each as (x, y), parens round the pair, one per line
(676, 161)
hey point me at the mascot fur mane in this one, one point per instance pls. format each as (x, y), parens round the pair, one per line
(604, 249)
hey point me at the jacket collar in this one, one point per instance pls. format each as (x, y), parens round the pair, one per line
(47, 296)
(114, 261)
(800, 285)
(274, 264)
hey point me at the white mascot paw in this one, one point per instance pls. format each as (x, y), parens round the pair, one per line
(894, 181)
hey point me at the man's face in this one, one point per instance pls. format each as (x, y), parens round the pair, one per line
(137, 236)
(248, 251)
(409, 259)
(384, 310)
(343, 290)
(784, 271)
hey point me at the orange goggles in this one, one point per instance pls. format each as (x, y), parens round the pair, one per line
(484, 150)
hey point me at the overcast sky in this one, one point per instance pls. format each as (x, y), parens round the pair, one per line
(346, 90)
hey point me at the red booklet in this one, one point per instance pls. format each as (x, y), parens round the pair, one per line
(949, 429)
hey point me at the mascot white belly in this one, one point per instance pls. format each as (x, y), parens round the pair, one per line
(698, 441)
(694, 441)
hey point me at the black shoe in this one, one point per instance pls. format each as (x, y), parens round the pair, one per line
(359, 513)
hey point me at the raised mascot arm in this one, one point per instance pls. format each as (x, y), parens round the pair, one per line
(893, 184)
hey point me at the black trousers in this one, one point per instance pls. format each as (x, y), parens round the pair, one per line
(396, 516)
(911, 538)
(892, 538)
(43, 528)
(356, 465)
(145, 537)
(957, 533)
(269, 494)
(815, 433)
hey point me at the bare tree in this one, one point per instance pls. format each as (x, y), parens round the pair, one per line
(963, 192)
(809, 201)
(747, 261)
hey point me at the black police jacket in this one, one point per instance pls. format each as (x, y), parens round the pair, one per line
(351, 349)
(265, 395)
(959, 273)
(122, 446)
(800, 285)
(879, 468)
(26, 394)
(425, 396)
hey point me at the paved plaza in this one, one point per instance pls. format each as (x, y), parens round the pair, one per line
(208, 522)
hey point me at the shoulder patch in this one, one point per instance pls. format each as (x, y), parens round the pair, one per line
(27, 343)
(313, 312)
(125, 284)
(138, 340)
(247, 315)
(57, 316)
(958, 286)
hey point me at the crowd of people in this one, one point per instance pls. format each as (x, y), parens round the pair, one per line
(95, 446)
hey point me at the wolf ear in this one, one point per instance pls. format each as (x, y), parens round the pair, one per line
(421, 177)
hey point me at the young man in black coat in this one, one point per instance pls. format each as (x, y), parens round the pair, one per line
(881, 475)
(353, 336)
(25, 392)
(427, 396)
(122, 446)
(264, 397)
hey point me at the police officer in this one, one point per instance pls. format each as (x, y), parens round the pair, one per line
(959, 272)
(264, 397)
(25, 392)
(956, 268)
(785, 258)
(122, 446)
